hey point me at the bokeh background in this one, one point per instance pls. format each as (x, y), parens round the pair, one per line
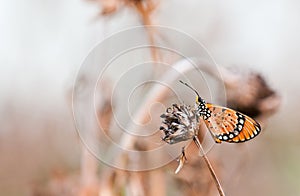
(43, 44)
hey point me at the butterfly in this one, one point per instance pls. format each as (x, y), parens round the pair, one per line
(225, 124)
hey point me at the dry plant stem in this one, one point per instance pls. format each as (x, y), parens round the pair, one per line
(211, 170)
(145, 9)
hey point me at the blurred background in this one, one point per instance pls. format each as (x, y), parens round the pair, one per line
(43, 44)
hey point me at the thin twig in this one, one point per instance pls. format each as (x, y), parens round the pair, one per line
(211, 170)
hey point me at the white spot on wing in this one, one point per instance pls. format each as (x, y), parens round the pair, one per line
(255, 132)
(257, 128)
(240, 127)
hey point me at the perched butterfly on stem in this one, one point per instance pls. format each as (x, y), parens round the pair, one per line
(181, 123)
(224, 123)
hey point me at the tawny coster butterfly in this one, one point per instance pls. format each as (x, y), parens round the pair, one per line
(225, 124)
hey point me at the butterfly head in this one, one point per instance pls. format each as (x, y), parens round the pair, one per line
(200, 104)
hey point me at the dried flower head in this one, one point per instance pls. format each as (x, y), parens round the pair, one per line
(179, 123)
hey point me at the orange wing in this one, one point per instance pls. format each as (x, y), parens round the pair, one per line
(229, 125)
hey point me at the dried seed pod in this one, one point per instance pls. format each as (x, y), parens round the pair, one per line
(179, 123)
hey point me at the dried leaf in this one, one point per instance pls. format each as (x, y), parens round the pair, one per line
(182, 159)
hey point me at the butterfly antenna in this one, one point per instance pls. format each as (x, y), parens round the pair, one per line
(186, 84)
